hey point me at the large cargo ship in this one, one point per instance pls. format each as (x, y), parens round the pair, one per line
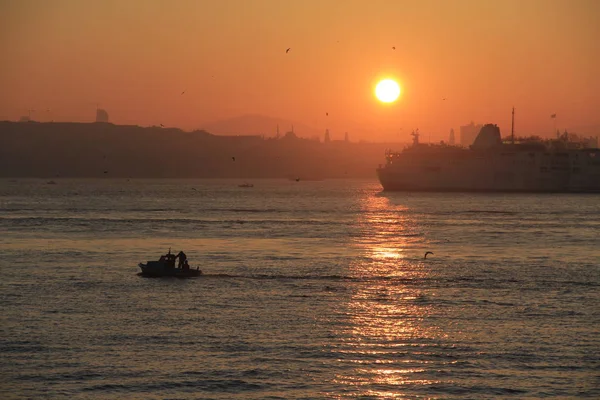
(493, 165)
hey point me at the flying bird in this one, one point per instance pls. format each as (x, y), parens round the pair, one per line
(297, 179)
(106, 172)
(162, 126)
(393, 47)
(288, 50)
(233, 158)
(429, 252)
(183, 92)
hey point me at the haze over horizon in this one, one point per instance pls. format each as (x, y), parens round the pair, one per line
(188, 63)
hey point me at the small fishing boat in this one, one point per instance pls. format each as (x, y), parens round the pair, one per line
(165, 266)
(246, 185)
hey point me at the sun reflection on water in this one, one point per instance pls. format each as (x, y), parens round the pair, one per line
(388, 341)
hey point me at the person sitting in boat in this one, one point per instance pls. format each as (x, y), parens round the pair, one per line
(182, 259)
(186, 266)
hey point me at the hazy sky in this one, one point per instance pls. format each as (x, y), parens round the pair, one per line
(135, 57)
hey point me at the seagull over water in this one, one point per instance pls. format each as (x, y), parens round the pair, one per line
(288, 49)
(429, 252)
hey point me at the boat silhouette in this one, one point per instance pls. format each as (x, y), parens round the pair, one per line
(165, 267)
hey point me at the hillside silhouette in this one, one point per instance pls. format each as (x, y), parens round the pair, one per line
(253, 124)
(32, 149)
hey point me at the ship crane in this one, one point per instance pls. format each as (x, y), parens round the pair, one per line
(415, 135)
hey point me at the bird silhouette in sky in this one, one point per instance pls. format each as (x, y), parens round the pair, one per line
(106, 172)
(183, 92)
(288, 49)
(297, 179)
(425, 257)
(162, 126)
(393, 47)
(327, 114)
(233, 158)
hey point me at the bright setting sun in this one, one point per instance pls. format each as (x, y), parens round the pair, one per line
(387, 90)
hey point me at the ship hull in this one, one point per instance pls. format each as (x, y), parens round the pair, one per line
(488, 174)
(396, 186)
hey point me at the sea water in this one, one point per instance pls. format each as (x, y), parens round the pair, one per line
(310, 290)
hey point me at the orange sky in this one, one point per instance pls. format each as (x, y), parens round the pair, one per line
(135, 57)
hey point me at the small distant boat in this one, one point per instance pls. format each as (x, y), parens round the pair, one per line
(51, 183)
(165, 266)
(246, 185)
(305, 178)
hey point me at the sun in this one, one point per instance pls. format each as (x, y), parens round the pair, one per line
(387, 90)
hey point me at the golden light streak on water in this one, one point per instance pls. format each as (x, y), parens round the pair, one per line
(387, 314)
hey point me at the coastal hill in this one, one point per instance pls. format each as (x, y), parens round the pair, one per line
(64, 149)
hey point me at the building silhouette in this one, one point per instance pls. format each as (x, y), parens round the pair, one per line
(451, 138)
(468, 133)
(101, 115)
(290, 134)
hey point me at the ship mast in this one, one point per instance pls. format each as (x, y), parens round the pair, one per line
(512, 127)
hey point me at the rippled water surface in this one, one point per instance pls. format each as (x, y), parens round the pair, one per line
(310, 290)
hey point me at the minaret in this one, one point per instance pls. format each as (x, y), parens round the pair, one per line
(451, 139)
(512, 127)
(327, 138)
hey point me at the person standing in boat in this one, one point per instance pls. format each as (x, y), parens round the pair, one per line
(182, 259)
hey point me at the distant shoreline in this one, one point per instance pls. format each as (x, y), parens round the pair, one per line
(92, 150)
